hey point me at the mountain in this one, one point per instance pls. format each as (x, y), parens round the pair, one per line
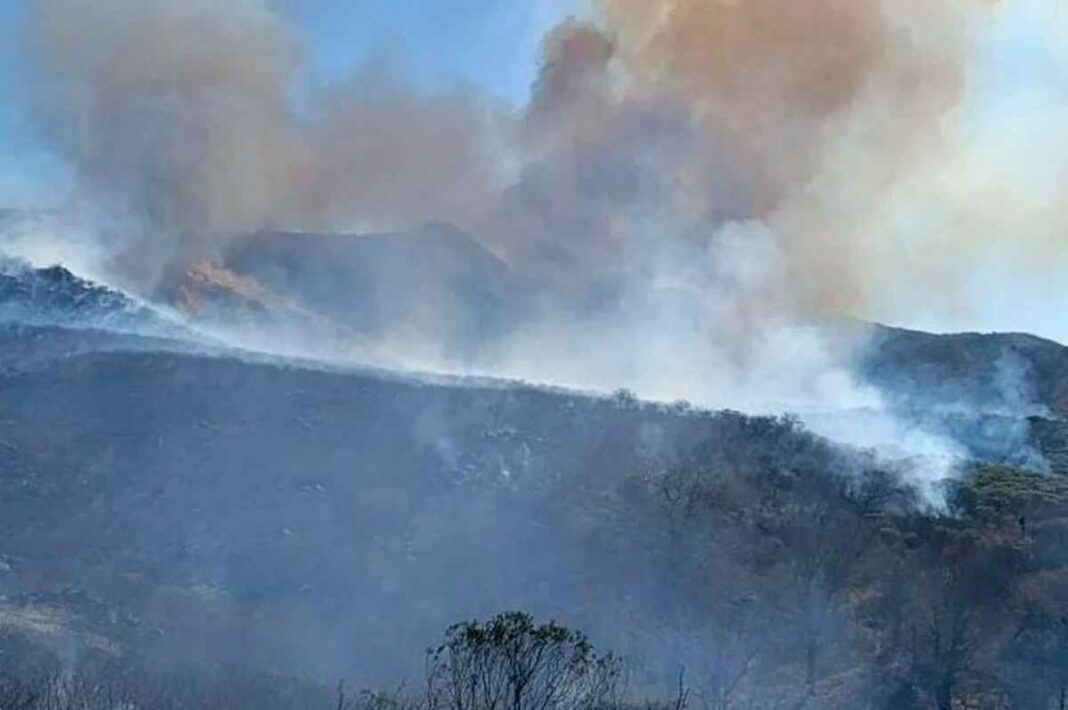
(434, 282)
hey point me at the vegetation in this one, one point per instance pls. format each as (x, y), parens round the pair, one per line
(510, 663)
(507, 663)
(785, 593)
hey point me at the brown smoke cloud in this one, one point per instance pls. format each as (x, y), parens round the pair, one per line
(376, 155)
(761, 75)
(176, 112)
(691, 114)
(180, 117)
(740, 151)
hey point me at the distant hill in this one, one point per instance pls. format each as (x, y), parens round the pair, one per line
(1004, 395)
(435, 281)
(1010, 373)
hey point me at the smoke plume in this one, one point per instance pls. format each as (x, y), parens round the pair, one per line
(179, 118)
(666, 117)
(693, 187)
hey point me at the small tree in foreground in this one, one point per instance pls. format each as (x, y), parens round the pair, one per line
(510, 663)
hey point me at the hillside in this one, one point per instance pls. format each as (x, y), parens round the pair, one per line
(1005, 396)
(161, 498)
(434, 283)
(267, 484)
(1005, 373)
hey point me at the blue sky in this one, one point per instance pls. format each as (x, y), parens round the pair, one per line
(439, 43)
(492, 43)
(26, 173)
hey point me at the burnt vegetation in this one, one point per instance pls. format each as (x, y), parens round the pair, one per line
(189, 527)
(730, 561)
(774, 592)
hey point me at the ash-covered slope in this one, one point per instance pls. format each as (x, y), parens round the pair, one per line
(241, 510)
(53, 296)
